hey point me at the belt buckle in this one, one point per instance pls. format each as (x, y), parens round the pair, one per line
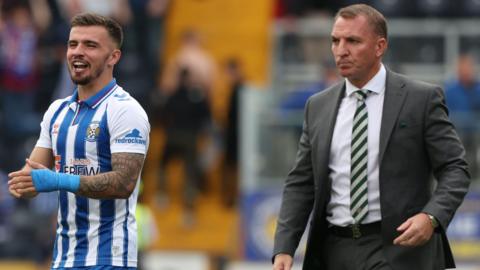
(356, 231)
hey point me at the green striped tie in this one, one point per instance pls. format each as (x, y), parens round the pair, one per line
(359, 158)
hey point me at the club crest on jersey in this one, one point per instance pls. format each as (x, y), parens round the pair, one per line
(93, 131)
(134, 137)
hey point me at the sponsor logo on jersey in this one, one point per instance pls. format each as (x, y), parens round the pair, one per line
(80, 161)
(93, 131)
(81, 166)
(81, 170)
(134, 137)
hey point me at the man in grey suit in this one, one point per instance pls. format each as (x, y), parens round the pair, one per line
(379, 169)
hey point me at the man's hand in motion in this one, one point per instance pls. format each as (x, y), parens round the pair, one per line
(416, 231)
(20, 184)
(282, 262)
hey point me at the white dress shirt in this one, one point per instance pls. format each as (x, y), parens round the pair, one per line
(338, 208)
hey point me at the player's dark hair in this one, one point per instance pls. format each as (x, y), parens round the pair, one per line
(91, 19)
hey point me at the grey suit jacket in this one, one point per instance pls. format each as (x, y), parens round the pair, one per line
(418, 147)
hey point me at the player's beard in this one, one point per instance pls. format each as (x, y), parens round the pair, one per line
(89, 78)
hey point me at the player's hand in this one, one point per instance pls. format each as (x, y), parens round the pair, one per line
(416, 231)
(14, 193)
(282, 262)
(20, 184)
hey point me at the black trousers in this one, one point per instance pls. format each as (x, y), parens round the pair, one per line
(364, 253)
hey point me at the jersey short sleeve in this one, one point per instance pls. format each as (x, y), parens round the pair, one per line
(45, 140)
(128, 126)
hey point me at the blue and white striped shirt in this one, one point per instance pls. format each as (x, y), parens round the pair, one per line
(83, 135)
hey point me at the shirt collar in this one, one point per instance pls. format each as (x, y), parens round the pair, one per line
(98, 97)
(375, 85)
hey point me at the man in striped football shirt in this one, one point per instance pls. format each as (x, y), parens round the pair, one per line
(91, 149)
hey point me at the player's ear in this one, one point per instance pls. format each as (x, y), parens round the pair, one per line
(114, 57)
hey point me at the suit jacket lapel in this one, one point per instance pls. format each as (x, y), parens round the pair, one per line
(327, 116)
(394, 97)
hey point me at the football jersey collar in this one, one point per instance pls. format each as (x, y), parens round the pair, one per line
(96, 99)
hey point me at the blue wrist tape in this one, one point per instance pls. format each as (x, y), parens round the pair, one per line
(46, 180)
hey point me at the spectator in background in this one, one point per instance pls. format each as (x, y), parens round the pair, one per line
(230, 173)
(196, 60)
(463, 100)
(18, 77)
(186, 88)
(184, 116)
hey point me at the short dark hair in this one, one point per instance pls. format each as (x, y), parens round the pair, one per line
(373, 16)
(91, 19)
